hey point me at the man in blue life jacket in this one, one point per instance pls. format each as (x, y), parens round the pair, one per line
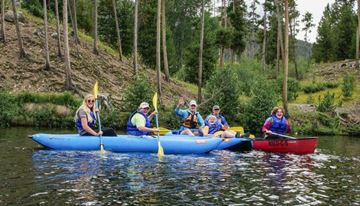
(139, 122)
(192, 120)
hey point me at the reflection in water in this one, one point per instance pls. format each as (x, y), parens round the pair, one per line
(45, 177)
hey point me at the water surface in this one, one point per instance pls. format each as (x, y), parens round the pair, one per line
(30, 175)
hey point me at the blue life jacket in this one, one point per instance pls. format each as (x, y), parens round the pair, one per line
(278, 125)
(133, 130)
(217, 126)
(90, 124)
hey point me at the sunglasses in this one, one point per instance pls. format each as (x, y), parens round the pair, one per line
(90, 101)
(147, 108)
(216, 109)
(193, 105)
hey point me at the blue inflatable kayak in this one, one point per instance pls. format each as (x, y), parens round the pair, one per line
(176, 144)
(233, 144)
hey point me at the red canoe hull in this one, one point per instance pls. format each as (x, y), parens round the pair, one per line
(295, 146)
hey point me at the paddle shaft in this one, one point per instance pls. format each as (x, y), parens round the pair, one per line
(282, 135)
(99, 121)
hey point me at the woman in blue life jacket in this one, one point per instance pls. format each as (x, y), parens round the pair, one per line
(277, 123)
(192, 120)
(139, 122)
(85, 119)
(216, 128)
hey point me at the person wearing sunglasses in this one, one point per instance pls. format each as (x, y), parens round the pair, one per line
(85, 119)
(192, 119)
(139, 122)
(277, 123)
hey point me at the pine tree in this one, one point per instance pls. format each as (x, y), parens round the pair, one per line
(117, 30)
(286, 59)
(95, 47)
(58, 29)
(308, 24)
(201, 51)
(68, 83)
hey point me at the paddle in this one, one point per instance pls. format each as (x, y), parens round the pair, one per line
(95, 92)
(160, 148)
(282, 135)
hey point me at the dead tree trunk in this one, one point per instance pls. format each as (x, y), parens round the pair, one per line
(68, 83)
(22, 53)
(95, 47)
(136, 37)
(286, 59)
(3, 36)
(47, 58)
(163, 29)
(117, 30)
(158, 58)
(201, 52)
(58, 29)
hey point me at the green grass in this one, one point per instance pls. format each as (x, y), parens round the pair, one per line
(190, 87)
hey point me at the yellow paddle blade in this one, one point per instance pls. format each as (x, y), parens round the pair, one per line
(163, 130)
(160, 150)
(252, 136)
(96, 89)
(154, 100)
(238, 129)
(102, 150)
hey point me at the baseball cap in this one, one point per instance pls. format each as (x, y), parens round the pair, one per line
(216, 107)
(144, 105)
(192, 102)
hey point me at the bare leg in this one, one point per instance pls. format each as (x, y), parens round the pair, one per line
(187, 132)
(228, 134)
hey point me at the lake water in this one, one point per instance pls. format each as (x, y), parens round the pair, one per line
(30, 175)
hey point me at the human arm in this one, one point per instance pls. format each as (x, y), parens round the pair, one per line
(152, 115)
(200, 120)
(85, 126)
(224, 123)
(267, 125)
(288, 126)
(139, 121)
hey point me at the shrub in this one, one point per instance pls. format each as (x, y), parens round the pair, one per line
(138, 91)
(327, 103)
(320, 86)
(222, 89)
(348, 85)
(260, 106)
(293, 88)
(8, 108)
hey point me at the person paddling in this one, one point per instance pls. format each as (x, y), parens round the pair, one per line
(139, 122)
(192, 119)
(85, 119)
(216, 128)
(277, 123)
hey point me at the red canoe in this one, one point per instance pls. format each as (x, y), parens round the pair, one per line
(295, 146)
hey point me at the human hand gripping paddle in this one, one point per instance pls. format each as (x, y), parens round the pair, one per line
(95, 92)
(160, 148)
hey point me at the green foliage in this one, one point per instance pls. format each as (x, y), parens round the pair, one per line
(293, 87)
(222, 89)
(336, 33)
(319, 86)
(113, 118)
(139, 91)
(239, 23)
(224, 37)
(348, 85)
(66, 98)
(8, 108)
(34, 7)
(260, 106)
(107, 29)
(327, 103)
(210, 52)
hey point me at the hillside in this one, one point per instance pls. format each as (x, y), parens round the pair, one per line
(28, 74)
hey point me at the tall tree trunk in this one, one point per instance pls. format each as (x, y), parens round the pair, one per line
(286, 59)
(223, 25)
(136, 37)
(18, 32)
(3, 36)
(279, 28)
(58, 29)
(358, 36)
(117, 30)
(163, 24)
(278, 54)
(47, 58)
(68, 83)
(201, 51)
(264, 39)
(95, 48)
(158, 58)
(76, 34)
(293, 48)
